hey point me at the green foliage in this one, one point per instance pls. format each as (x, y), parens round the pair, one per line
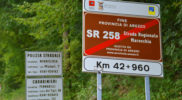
(55, 25)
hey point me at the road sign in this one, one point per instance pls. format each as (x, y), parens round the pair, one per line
(44, 89)
(118, 66)
(43, 63)
(122, 7)
(122, 34)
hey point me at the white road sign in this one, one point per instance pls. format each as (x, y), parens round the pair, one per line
(43, 63)
(124, 8)
(120, 66)
(44, 89)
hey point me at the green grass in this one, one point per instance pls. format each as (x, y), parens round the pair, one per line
(18, 94)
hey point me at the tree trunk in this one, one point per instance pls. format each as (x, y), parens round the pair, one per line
(66, 60)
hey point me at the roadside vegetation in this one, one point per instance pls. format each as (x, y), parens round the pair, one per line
(56, 25)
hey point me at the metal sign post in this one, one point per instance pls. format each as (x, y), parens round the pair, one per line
(122, 38)
(99, 86)
(147, 88)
